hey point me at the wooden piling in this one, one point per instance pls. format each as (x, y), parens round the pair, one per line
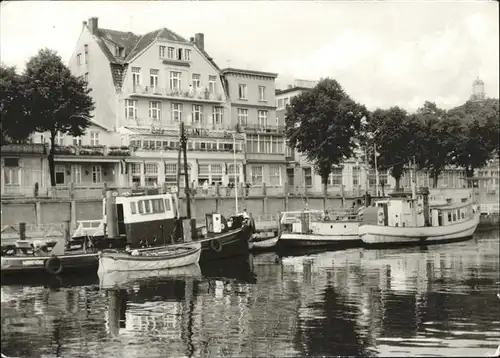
(22, 231)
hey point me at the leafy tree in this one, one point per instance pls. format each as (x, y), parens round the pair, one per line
(440, 135)
(395, 135)
(12, 112)
(479, 141)
(323, 124)
(58, 101)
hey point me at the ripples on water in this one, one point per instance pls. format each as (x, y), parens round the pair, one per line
(435, 301)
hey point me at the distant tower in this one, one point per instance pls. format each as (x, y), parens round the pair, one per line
(477, 90)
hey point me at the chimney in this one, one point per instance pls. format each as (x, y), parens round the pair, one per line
(191, 39)
(93, 25)
(199, 40)
(84, 23)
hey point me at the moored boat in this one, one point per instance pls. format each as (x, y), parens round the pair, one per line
(409, 219)
(319, 228)
(168, 257)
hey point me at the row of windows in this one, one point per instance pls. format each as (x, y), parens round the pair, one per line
(150, 206)
(74, 175)
(335, 177)
(265, 144)
(76, 141)
(173, 53)
(191, 145)
(456, 215)
(243, 92)
(257, 175)
(174, 79)
(85, 59)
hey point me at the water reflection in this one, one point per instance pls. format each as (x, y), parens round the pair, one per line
(439, 300)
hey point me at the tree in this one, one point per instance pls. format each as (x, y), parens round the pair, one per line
(395, 135)
(58, 101)
(479, 140)
(323, 124)
(12, 111)
(440, 135)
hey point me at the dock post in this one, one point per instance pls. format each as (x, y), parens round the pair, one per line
(265, 200)
(22, 231)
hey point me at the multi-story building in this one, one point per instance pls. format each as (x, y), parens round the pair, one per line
(251, 95)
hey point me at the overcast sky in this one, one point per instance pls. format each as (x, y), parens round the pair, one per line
(382, 53)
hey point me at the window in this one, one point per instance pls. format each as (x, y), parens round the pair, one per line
(216, 173)
(131, 108)
(257, 175)
(12, 171)
(187, 54)
(286, 101)
(167, 205)
(196, 80)
(136, 77)
(252, 143)
(355, 176)
(262, 117)
(86, 77)
(449, 217)
(79, 59)
(94, 138)
(242, 116)
(171, 173)
(232, 173)
(262, 93)
(277, 145)
(171, 52)
(147, 206)
(307, 177)
(274, 175)
(133, 208)
(242, 91)
(136, 172)
(197, 113)
(96, 174)
(162, 51)
(280, 103)
(140, 206)
(335, 178)
(155, 110)
(179, 54)
(176, 112)
(60, 172)
(86, 53)
(217, 115)
(59, 138)
(77, 141)
(203, 173)
(211, 83)
(157, 205)
(175, 80)
(119, 51)
(153, 78)
(76, 174)
(151, 169)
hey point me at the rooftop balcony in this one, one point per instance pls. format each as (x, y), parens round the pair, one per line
(194, 95)
(24, 148)
(257, 129)
(93, 150)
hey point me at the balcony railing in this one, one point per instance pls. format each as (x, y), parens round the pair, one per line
(96, 150)
(199, 94)
(24, 148)
(257, 128)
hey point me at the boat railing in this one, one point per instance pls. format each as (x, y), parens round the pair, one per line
(489, 209)
(89, 228)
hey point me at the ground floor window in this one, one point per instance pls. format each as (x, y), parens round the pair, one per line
(96, 174)
(335, 177)
(60, 173)
(11, 175)
(76, 174)
(307, 177)
(274, 175)
(257, 175)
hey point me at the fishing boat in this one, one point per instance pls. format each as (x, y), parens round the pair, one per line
(168, 257)
(45, 257)
(264, 241)
(408, 218)
(319, 228)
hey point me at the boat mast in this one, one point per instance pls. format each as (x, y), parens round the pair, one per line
(178, 173)
(235, 174)
(376, 168)
(184, 151)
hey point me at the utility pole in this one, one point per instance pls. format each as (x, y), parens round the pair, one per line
(376, 167)
(186, 178)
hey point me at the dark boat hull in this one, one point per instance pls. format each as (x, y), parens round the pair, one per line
(226, 245)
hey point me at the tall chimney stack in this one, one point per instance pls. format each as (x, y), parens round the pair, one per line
(93, 25)
(199, 40)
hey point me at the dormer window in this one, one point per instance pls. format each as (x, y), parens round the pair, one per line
(119, 51)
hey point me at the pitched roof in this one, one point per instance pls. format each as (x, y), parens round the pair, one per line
(150, 37)
(249, 72)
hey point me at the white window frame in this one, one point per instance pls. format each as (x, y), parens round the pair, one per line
(217, 115)
(242, 116)
(153, 78)
(171, 173)
(187, 54)
(175, 80)
(262, 93)
(307, 172)
(131, 109)
(335, 177)
(86, 77)
(136, 76)
(79, 59)
(76, 173)
(171, 52)
(257, 171)
(196, 80)
(176, 112)
(77, 141)
(85, 53)
(94, 138)
(12, 176)
(274, 175)
(212, 83)
(161, 50)
(59, 140)
(155, 110)
(242, 91)
(197, 113)
(96, 174)
(262, 118)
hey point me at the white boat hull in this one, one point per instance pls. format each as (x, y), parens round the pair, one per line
(324, 233)
(265, 244)
(380, 235)
(109, 262)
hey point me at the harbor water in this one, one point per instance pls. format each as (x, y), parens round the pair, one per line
(438, 300)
